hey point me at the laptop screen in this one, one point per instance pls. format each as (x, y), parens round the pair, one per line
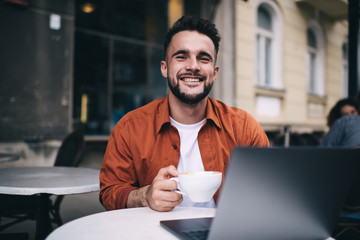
(280, 193)
(284, 193)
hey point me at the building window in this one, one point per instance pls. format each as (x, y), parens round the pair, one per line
(268, 45)
(263, 42)
(345, 69)
(315, 59)
(312, 59)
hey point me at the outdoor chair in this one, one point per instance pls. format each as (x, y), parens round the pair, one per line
(69, 155)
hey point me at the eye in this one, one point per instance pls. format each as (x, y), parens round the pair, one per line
(205, 59)
(180, 57)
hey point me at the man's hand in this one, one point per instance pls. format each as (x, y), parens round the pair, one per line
(158, 195)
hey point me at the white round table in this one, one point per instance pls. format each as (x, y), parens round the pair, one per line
(42, 182)
(8, 157)
(132, 223)
(49, 180)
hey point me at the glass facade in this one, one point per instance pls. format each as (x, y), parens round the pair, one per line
(118, 49)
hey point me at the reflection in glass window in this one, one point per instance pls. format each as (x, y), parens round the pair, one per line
(135, 70)
(91, 74)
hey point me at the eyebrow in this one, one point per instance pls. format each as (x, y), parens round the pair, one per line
(202, 53)
(179, 52)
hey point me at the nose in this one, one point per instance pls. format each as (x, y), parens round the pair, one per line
(192, 64)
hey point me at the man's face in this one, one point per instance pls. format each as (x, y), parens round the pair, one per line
(190, 66)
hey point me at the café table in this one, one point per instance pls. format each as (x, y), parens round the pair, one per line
(132, 223)
(44, 182)
(7, 157)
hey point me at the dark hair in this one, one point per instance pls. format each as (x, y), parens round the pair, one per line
(335, 112)
(193, 23)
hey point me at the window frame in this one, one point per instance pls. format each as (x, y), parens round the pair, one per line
(276, 81)
(318, 89)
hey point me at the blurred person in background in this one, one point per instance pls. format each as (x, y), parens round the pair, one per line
(345, 132)
(343, 107)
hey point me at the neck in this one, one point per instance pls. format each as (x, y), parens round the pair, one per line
(186, 113)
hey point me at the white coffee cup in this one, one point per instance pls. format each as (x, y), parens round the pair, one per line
(199, 186)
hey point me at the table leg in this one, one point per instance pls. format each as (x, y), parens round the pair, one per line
(43, 222)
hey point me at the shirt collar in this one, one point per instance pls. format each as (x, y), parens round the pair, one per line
(163, 116)
(211, 114)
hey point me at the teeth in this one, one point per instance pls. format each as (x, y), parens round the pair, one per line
(191, 80)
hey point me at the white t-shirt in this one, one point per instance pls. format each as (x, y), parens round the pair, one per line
(190, 158)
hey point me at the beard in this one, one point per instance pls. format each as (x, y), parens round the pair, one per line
(187, 98)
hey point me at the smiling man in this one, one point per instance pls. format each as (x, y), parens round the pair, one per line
(185, 131)
(192, 71)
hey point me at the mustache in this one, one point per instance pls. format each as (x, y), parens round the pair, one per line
(197, 75)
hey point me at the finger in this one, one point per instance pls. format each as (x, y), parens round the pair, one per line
(173, 171)
(171, 197)
(160, 205)
(163, 208)
(164, 196)
(167, 172)
(165, 185)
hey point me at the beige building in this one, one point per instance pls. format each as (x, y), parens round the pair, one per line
(289, 59)
(284, 61)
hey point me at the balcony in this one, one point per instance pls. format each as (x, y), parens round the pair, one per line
(337, 9)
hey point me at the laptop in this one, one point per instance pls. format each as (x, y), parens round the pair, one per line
(278, 194)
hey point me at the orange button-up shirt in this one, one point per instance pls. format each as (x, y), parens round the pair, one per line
(143, 141)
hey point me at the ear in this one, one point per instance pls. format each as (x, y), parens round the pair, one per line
(216, 70)
(163, 68)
